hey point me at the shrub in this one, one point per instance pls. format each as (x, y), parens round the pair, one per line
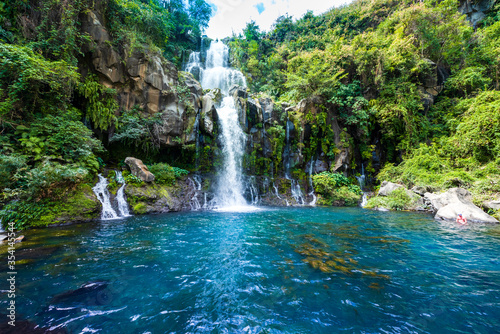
(24, 214)
(398, 200)
(335, 188)
(166, 174)
(140, 208)
(133, 180)
(9, 166)
(53, 180)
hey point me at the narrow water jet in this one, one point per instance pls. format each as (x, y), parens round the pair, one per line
(102, 193)
(311, 186)
(361, 182)
(120, 196)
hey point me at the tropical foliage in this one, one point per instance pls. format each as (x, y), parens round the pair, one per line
(413, 77)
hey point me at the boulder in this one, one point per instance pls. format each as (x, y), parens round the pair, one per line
(453, 195)
(267, 106)
(456, 200)
(254, 112)
(386, 188)
(238, 91)
(494, 205)
(87, 293)
(469, 211)
(140, 170)
(321, 166)
(419, 190)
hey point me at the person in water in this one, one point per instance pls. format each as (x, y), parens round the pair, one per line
(461, 219)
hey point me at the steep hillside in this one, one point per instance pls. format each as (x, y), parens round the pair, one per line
(410, 86)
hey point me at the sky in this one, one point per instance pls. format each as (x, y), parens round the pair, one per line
(232, 15)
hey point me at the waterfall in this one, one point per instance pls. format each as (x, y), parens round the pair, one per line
(217, 74)
(119, 177)
(313, 202)
(194, 65)
(102, 193)
(297, 192)
(254, 192)
(276, 191)
(195, 188)
(122, 203)
(120, 196)
(286, 153)
(361, 182)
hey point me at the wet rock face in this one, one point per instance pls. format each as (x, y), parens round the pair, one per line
(475, 10)
(140, 170)
(432, 83)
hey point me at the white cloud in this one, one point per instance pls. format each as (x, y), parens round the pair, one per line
(233, 15)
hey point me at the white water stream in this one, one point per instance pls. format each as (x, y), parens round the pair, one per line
(217, 74)
(102, 193)
(361, 182)
(120, 196)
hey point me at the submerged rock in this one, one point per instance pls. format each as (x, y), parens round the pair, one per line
(140, 170)
(456, 200)
(90, 293)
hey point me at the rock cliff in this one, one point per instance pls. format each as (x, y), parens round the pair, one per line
(143, 78)
(476, 10)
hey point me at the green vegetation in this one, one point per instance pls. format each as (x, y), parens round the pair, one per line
(336, 189)
(166, 174)
(397, 200)
(55, 114)
(407, 87)
(413, 77)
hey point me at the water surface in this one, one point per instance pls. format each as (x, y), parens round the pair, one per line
(286, 270)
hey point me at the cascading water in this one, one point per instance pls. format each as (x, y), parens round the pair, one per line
(102, 193)
(195, 188)
(311, 186)
(361, 182)
(297, 192)
(230, 183)
(120, 196)
(254, 193)
(194, 65)
(217, 74)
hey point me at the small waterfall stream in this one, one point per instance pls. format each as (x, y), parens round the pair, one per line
(311, 186)
(361, 182)
(297, 194)
(120, 196)
(103, 195)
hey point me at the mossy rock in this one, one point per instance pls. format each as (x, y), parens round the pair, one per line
(154, 198)
(81, 205)
(140, 208)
